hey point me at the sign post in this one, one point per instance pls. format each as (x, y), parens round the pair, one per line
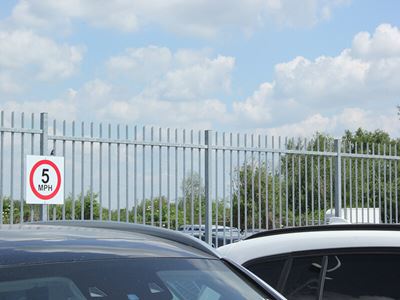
(44, 180)
(44, 127)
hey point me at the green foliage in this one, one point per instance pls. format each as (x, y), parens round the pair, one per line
(73, 208)
(309, 179)
(194, 200)
(249, 200)
(379, 175)
(194, 203)
(16, 215)
(298, 189)
(144, 212)
(359, 140)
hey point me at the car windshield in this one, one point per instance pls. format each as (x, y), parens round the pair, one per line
(131, 279)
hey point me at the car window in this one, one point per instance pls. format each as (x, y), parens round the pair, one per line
(144, 278)
(40, 288)
(295, 278)
(349, 276)
(363, 276)
(269, 271)
(302, 281)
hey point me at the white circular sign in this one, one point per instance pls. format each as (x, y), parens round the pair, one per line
(45, 179)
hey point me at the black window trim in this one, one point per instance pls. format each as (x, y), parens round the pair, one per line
(323, 253)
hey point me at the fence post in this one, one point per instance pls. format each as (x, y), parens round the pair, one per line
(338, 178)
(1, 166)
(207, 183)
(44, 151)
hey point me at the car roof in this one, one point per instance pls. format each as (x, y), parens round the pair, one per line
(330, 227)
(86, 240)
(291, 240)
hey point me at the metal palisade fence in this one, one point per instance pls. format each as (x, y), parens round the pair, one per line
(210, 184)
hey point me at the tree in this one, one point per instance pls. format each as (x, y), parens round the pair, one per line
(194, 202)
(194, 199)
(380, 176)
(300, 188)
(73, 208)
(252, 196)
(6, 213)
(359, 140)
(278, 192)
(167, 209)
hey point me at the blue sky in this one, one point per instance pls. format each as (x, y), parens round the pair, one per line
(268, 66)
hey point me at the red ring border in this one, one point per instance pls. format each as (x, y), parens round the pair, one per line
(54, 166)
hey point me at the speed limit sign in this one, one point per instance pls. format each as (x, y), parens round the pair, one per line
(44, 179)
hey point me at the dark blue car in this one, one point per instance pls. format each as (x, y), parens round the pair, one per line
(97, 260)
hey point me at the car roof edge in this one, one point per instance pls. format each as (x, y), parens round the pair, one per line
(136, 228)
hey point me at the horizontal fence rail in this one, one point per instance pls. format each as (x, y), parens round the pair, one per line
(220, 187)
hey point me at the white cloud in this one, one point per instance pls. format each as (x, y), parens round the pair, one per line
(7, 84)
(357, 88)
(305, 95)
(201, 18)
(256, 107)
(60, 109)
(306, 13)
(190, 57)
(25, 55)
(348, 119)
(366, 75)
(93, 96)
(196, 115)
(102, 100)
(96, 88)
(21, 48)
(384, 43)
(264, 107)
(184, 93)
(326, 77)
(194, 81)
(368, 70)
(45, 14)
(185, 75)
(304, 128)
(141, 63)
